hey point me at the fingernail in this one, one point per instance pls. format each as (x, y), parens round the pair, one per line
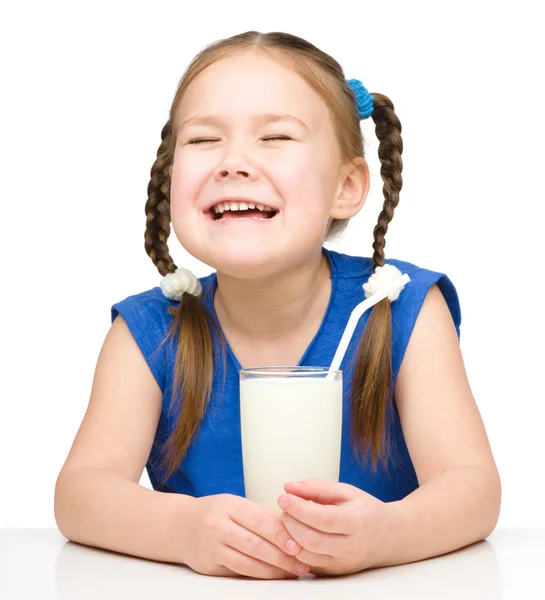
(291, 545)
(300, 567)
(283, 502)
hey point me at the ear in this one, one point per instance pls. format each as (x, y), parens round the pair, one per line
(354, 188)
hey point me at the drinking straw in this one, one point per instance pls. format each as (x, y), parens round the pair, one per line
(355, 317)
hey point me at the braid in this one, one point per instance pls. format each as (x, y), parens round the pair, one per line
(194, 362)
(158, 207)
(372, 379)
(388, 131)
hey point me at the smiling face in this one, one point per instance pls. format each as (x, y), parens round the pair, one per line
(299, 176)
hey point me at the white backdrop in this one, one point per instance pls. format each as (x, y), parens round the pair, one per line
(87, 89)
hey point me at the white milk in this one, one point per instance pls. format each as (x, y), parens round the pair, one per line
(291, 430)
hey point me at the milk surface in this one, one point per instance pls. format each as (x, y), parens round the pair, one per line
(291, 430)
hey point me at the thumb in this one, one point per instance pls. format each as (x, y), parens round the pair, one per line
(322, 491)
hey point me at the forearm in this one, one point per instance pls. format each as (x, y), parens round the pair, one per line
(457, 508)
(102, 509)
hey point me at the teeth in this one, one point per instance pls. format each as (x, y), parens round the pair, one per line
(219, 208)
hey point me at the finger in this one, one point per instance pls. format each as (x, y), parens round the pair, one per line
(314, 542)
(323, 517)
(248, 566)
(266, 523)
(253, 545)
(321, 491)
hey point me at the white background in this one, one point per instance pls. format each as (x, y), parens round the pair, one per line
(87, 89)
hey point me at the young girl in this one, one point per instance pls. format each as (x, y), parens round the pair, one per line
(261, 162)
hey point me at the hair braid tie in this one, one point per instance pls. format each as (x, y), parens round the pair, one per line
(175, 285)
(381, 279)
(364, 100)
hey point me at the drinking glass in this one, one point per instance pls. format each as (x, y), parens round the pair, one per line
(291, 427)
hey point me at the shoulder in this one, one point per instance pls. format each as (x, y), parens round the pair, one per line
(430, 299)
(348, 266)
(426, 286)
(148, 319)
(150, 305)
(358, 269)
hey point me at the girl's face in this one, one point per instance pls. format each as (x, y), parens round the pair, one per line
(298, 176)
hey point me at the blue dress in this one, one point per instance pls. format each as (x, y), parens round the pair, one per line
(213, 463)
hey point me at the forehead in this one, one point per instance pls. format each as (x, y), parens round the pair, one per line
(251, 84)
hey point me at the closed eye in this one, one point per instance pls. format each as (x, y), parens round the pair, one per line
(201, 141)
(276, 137)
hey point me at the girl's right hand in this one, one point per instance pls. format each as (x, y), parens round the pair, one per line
(227, 535)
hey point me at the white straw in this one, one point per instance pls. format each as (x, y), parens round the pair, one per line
(355, 317)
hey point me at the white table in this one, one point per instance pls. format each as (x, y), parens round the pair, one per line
(40, 564)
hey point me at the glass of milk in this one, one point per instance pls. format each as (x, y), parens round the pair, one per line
(291, 426)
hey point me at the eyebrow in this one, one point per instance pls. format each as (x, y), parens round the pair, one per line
(265, 119)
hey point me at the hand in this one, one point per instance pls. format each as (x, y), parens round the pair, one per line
(340, 527)
(227, 535)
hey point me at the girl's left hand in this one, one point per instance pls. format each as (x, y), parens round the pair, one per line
(340, 527)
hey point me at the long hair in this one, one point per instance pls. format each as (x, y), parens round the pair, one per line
(372, 380)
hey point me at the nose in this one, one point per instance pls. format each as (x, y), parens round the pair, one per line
(224, 173)
(235, 165)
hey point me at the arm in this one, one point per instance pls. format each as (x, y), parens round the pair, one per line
(343, 529)
(98, 500)
(458, 501)
(454, 509)
(103, 509)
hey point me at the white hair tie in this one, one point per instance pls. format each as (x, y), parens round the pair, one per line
(382, 278)
(175, 285)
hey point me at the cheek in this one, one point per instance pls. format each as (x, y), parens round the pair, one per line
(303, 186)
(186, 182)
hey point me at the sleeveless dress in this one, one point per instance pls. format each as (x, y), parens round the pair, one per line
(213, 463)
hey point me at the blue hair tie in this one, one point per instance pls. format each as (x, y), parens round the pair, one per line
(364, 100)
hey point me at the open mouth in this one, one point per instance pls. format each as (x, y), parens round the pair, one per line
(251, 214)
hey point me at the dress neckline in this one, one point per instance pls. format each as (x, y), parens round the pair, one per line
(323, 324)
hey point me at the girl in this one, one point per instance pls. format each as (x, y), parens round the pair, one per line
(261, 161)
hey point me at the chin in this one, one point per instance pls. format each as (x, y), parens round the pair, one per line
(250, 264)
(245, 269)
